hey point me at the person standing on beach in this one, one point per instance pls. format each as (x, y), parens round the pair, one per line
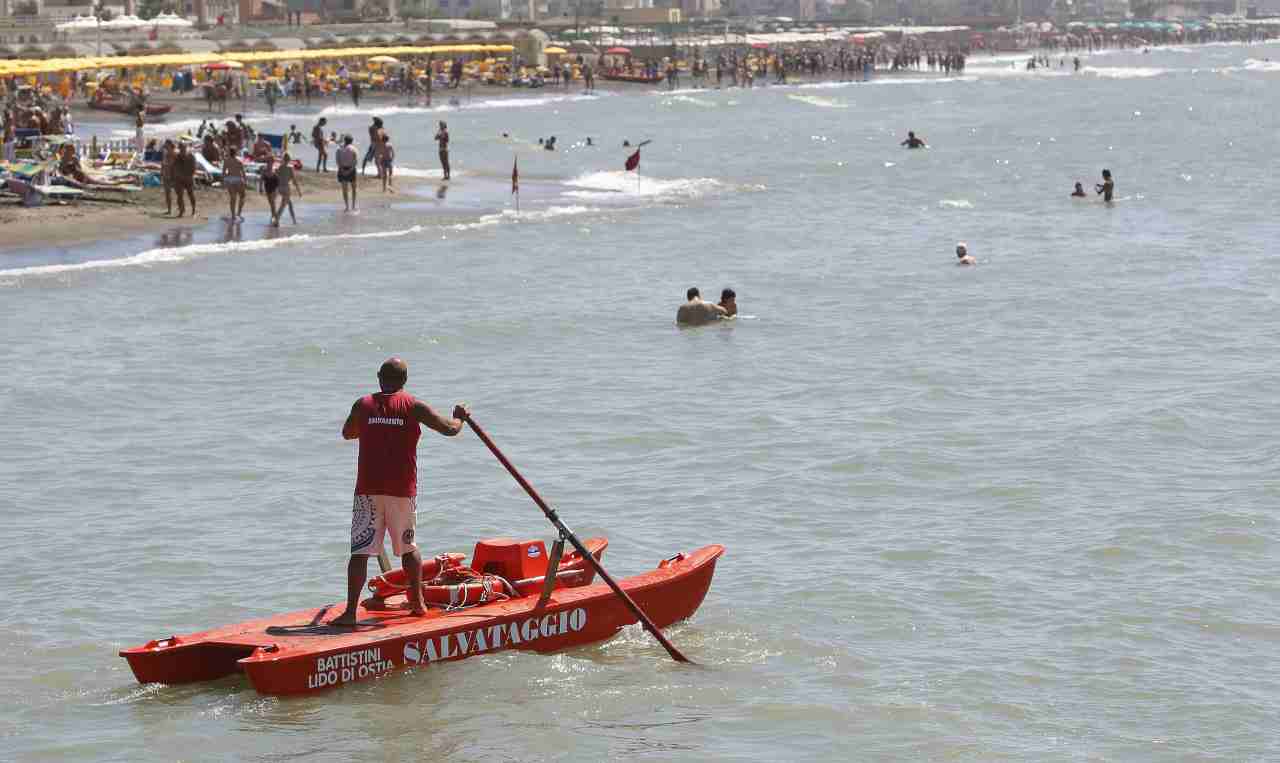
(317, 140)
(286, 175)
(388, 424)
(234, 180)
(346, 159)
(270, 184)
(355, 92)
(139, 140)
(170, 155)
(442, 137)
(184, 178)
(386, 161)
(375, 141)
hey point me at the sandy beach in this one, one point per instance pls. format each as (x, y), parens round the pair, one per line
(108, 215)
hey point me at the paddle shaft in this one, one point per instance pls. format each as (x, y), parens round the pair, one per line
(577, 544)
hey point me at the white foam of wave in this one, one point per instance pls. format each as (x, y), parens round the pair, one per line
(184, 253)
(527, 216)
(690, 99)
(826, 85)
(819, 101)
(461, 105)
(609, 185)
(1134, 72)
(1254, 65)
(1022, 71)
(955, 204)
(919, 80)
(414, 172)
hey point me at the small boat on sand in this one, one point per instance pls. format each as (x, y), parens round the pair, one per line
(501, 600)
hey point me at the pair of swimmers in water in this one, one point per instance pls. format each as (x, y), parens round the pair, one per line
(1106, 188)
(697, 312)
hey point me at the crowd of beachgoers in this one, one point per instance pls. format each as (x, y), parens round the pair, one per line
(44, 158)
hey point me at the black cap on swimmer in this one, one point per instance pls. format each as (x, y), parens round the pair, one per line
(692, 292)
(393, 374)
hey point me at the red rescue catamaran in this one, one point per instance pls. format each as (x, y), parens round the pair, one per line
(298, 652)
(513, 595)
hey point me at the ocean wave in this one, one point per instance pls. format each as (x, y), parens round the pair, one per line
(618, 183)
(690, 99)
(1253, 65)
(414, 172)
(919, 80)
(512, 216)
(173, 254)
(1135, 72)
(462, 105)
(818, 100)
(178, 254)
(956, 204)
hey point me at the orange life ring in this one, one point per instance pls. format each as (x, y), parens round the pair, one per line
(396, 581)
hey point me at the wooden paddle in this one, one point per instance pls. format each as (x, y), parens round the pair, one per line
(577, 544)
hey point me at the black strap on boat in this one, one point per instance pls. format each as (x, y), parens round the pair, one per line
(553, 566)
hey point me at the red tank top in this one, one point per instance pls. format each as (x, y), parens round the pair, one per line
(388, 446)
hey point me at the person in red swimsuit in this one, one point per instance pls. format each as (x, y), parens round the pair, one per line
(387, 424)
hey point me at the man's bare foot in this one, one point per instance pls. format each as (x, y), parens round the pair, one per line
(344, 620)
(418, 612)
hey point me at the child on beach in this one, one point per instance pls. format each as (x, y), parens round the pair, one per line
(388, 157)
(286, 176)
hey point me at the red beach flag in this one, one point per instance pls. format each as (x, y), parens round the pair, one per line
(633, 161)
(515, 176)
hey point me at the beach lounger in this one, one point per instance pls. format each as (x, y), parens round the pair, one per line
(207, 167)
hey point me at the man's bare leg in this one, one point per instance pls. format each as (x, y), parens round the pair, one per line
(412, 564)
(357, 570)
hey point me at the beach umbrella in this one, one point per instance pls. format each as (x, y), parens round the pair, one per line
(618, 51)
(124, 22)
(78, 23)
(224, 65)
(554, 51)
(760, 45)
(384, 60)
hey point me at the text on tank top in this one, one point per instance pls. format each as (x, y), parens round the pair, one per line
(388, 462)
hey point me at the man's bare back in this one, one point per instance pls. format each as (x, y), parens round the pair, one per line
(696, 312)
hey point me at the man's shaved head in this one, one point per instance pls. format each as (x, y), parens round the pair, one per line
(393, 374)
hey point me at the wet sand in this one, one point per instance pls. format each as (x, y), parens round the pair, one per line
(105, 215)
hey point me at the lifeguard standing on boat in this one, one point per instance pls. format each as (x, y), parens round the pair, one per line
(388, 424)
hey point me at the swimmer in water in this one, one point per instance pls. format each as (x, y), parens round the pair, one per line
(696, 312)
(962, 252)
(729, 301)
(1079, 191)
(913, 142)
(1107, 187)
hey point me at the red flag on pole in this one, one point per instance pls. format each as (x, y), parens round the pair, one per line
(515, 176)
(633, 161)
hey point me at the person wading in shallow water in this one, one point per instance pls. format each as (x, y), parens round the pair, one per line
(387, 424)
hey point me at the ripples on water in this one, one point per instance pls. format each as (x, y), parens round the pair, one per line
(1018, 511)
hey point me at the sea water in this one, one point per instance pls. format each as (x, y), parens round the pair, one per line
(1023, 510)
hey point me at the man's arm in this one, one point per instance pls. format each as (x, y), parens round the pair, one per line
(351, 427)
(427, 416)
